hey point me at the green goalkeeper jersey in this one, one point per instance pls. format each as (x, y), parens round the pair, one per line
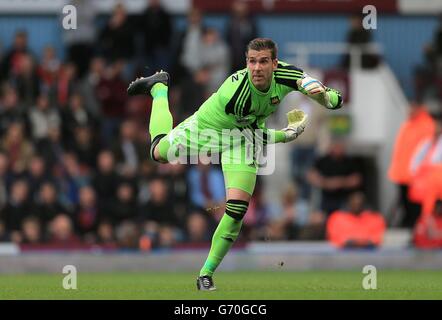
(238, 104)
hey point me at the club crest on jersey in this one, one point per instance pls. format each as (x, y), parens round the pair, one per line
(274, 100)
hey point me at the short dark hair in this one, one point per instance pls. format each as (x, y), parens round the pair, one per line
(259, 44)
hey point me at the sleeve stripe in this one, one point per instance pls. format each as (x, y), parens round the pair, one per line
(246, 110)
(230, 107)
(244, 102)
(287, 82)
(288, 73)
(241, 98)
(289, 67)
(287, 77)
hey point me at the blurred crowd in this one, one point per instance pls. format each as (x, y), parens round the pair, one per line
(74, 164)
(428, 74)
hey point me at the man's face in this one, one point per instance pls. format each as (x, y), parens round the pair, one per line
(261, 66)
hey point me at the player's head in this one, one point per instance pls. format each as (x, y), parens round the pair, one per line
(261, 57)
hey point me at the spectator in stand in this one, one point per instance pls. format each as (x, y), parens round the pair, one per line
(66, 84)
(304, 151)
(5, 179)
(188, 70)
(87, 214)
(427, 233)
(129, 151)
(148, 171)
(159, 208)
(106, 234)
(177, 181)
(70, 178)
(76, 115)
(26, 80)
(426, 167)
(105, 180)
(116, 40)
(418, 126)
(87, 87)
(18, 148)
(10, 109)
(112, 95)
(358, 36)
(41, 117)
(16, 210)
(48, 71)
(46, 205)
(128, 235)
(241, 29)
(198, 228)
(52, 149)
(10, 64)
(36, 174)
(61, 232)
(157, 27)
(85, 146)
(428, 75)
(337, 175)
(31, 231)
(356, 226)
(80, 42)
(3, 233)
(288, 217)
(206, 184)
(124, 207)
(215, 60)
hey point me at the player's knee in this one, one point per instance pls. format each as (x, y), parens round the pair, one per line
(157, 156)
(155, 150)
(236, 208)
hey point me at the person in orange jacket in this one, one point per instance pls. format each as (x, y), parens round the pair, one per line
(356, 226)
(428, 231)
(426, 167)
(418, 126)
(426, 164)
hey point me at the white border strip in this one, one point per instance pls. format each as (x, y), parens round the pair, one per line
(433, 7)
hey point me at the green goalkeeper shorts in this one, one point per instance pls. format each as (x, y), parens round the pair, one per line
(191, 142)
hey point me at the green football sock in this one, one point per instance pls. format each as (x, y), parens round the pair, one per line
(225, 234)
(161, 120)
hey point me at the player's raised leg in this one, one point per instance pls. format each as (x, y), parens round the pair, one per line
(161, 120)
(240, 186)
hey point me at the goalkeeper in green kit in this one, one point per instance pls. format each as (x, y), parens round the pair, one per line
(242, 104)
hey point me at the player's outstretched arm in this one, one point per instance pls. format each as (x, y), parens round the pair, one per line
(297, 121)
(313, 88)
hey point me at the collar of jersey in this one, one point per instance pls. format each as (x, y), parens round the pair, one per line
(257, 91)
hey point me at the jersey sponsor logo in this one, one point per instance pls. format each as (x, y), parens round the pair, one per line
(274, 100)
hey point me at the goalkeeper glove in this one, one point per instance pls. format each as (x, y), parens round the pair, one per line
(310, 86)
(329, 98)
(297, 120)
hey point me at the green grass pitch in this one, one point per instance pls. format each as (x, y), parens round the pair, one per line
(268, 285)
